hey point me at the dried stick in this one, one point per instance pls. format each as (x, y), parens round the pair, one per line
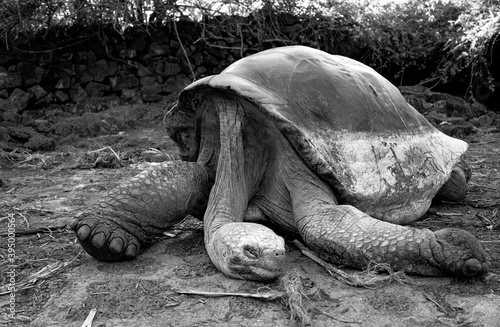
(273, 295)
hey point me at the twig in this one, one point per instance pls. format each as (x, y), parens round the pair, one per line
(435, 302)
(273, 295)
(110, 149)
(25, 220)
(90, 318)
(183, 49)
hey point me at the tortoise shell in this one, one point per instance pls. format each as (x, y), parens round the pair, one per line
(349, 124)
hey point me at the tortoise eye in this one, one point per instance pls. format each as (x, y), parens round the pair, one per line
(251, 251)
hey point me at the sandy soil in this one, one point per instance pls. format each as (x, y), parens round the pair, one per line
(41, 193)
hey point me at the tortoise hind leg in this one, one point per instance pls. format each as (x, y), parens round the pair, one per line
(455, 188)
(115, 227)
(342, 234)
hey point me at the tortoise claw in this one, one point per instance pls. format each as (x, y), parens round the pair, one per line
(131, 251)
(83, 232)
(116, 245)
(98, 240)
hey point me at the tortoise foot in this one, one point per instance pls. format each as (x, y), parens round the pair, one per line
(462, 254)
(105, 240)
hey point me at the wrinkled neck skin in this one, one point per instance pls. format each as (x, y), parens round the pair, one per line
(240, 250)
(231, 151)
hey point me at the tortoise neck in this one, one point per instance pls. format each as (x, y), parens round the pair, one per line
(230, 194)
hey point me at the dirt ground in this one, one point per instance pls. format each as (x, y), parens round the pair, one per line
(59, 285)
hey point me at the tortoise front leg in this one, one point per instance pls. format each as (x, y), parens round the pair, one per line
(115, 227)
(344, 235)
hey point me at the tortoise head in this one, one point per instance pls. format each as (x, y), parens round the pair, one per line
(247, 251)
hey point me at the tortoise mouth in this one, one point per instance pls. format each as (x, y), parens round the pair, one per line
(256, 273)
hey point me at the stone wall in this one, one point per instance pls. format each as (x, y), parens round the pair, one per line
(140, 66)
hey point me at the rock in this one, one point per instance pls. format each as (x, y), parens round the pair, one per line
(18, 100)
(128, 53)
(31, 73)
(453, 103)
(152, 97)
(175, 84)
(200, 71)
(42, 125)
(64, 83)
(151, 89)
(128, 93)
(20, 134)
(95, 89)
(60, 70)
(124, 82)
(143, 71)
(197, 59)
(483, 121)
(86, 77)
(435, 118)
(38, 142)
(77, 93)
(10, 116)
(148, 80)
(102, 69)
(10, 80)
(159, 49)
(46, 100)
(457, 121)
(30, 138)
(4, 94)
(27, 119)
(131, 63)
(441, 107)
(62, 96)
(458, 131)
(419, 103)
(37, 91)
(164, 68)
(54, 111)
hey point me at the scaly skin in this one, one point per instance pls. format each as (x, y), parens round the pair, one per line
(115, 227)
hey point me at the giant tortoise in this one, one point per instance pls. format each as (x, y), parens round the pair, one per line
(317, 145)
